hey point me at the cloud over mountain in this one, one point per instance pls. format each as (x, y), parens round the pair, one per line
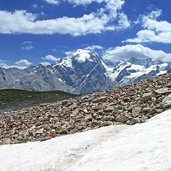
(153, 30)
(138, 51)
(108, 18)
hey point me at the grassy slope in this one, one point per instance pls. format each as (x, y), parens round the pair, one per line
(13, 99)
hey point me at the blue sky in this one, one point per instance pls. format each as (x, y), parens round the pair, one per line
(39, 31)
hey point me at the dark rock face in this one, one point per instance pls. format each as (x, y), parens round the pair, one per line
(130, 104)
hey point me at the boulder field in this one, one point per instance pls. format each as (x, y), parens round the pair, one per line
(130, 104)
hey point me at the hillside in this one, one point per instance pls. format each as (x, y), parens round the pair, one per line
(131, 104)
(13, 99)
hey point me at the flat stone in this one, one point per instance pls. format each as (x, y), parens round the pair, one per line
(146, 109)
(32, 128)
(166, 103)
(162, 91)
(102, 99)
(109, 109)
(121, 118)
(53, 114)
(87, 98)
(6, 141)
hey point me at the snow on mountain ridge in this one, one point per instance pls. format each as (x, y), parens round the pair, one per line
(81, 72)
(66, 62)
(82, 55)
(112, 72)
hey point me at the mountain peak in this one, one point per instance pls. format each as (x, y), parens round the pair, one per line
(82, 55)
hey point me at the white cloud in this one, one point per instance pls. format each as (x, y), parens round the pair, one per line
(94, 47)
(108, 18)
(54, 2)
(3, 64)
(27, 45)
(23, 63)
(153, 30)
(45, 63)
(35, 6)
(69, 53)
(51, 58)
(76, 2)
(138, 51)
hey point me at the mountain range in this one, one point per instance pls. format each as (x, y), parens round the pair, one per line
(82, 72)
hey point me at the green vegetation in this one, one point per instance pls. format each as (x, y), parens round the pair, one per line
(12, 99)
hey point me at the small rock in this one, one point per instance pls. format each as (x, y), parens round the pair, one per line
(32, 128)
(57, 125)
(40, 131)
(75, 113)
(95, 123)
(87, 98)
(85, 111)
(102, 99)
(142, 119)
(64, 102)
(136, 111)
(73, 106)
(126, 99)
(88, 118)
(166, 103)
(109, 109)
(146, 97)
(146, 109)
(44, 138)
(162, 91)
(134, 121)
(121, 118)
(53, 114)
(6, 141)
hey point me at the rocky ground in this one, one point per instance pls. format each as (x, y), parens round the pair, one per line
(129, 104)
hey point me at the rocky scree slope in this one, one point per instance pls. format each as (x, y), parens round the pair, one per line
(130, 104)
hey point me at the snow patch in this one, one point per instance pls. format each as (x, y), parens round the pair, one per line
(55, 154)
(82, 55)
(141, 147)
(141, 70)
(67, 62)
(112, 72)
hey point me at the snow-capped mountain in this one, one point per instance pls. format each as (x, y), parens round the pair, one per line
(82, 72)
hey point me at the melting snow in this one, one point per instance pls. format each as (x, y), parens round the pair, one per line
(141, 147)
